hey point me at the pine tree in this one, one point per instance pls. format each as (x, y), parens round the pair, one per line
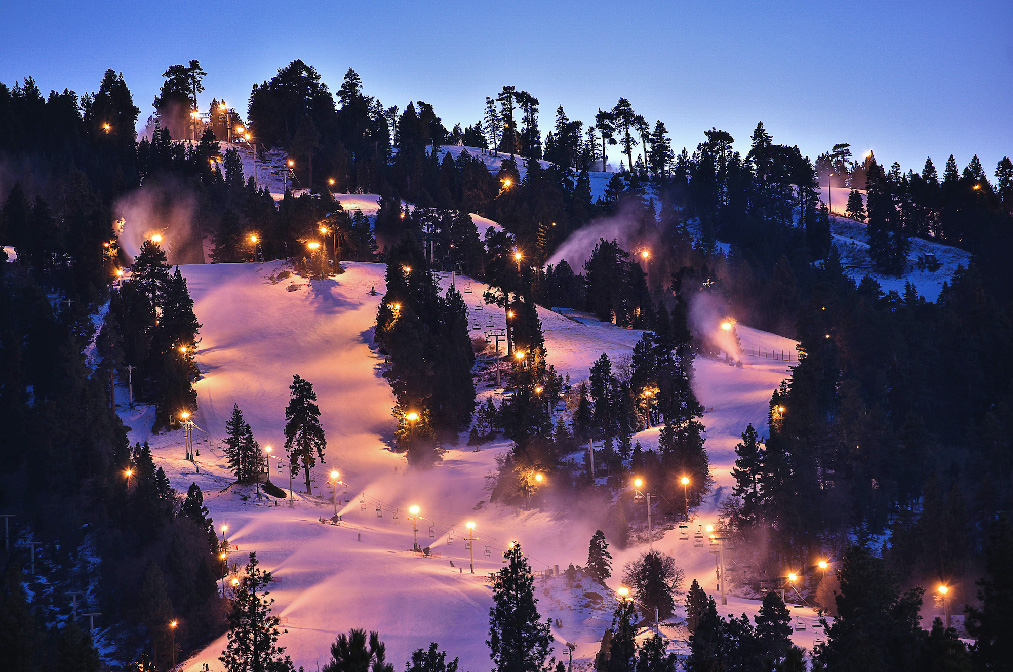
(241, 450)
(253, 629)
(747, 469)
(856, 206)
(773, 626)
(623, 647)
(154, 609)
(877, 627)
(991, 623)
(304, 435)
(654, 578)
(624, 119)
(653, 656)
(706, 643)
(432, 660)
(20, 634)
(354, 653)
(599, 560)
(75, 651)
(194, 510)
(696, 605)
(150, 272)
(173, 340)
(943, 651)
(518, 640)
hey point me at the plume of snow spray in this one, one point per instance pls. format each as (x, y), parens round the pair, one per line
(159, 210)
(709, 318)
(626, 227)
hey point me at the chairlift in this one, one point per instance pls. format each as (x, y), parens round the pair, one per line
(432, 532)
(394, 516)
(362, 503)
(799, 625)
(379, 511)
(684, 532)
(467, 288)
(478, 306)
(488, 552)
(467, 544)
(698, 540)
(450, 537)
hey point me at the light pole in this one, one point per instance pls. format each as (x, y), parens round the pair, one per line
(223, 110)
(792, 578)
(414, 510)
(185, 417)
(334, 240)
(720, 560)
(685, 494)
(291, 496)
(254, 241)
(517, 257)
(267, 461)
(471, 545)
(638, 483)
(334, 479)
(944, 596)
(224, 557)
(128, 473)
(830, 198)
(172, 629)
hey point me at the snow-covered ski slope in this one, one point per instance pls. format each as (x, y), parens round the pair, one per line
(494, 161)
(369, 205)
(259, 329)
(852, 241)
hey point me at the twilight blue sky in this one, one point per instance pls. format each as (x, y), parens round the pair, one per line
(908, 79)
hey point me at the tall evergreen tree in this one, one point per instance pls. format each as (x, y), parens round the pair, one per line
(518, 639)
(241, 450)
(696, 605)
(304, 435)
(623, 647)
(253, 630)
(877, 627)
(599, 560)
(991, 623)
(773, 626)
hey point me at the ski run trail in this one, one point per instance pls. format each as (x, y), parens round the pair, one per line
(261, 326)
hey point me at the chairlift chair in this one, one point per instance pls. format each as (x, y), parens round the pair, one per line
(467, 288)
(379, 511)
(432, 532)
